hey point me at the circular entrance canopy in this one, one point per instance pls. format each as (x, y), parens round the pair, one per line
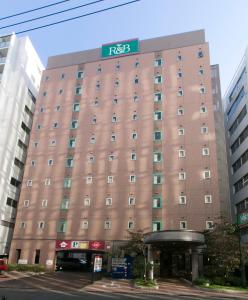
(175, 236)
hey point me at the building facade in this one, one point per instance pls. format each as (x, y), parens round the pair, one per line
(236, 123)
(20, 74)
(124, 138)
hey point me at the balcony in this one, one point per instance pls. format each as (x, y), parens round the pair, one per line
(4, 45)
(20, 154)
(17, 173)
(27, 120)
(14, 193)
(24, 137)
(2, 60)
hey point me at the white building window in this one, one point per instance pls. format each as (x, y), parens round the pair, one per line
(131, 201)
(180, 111)
(208, 198)
(182, 199)
(111, 157)
(134, 135)
(133, 156)
(113, 138)
(180, 131)
(47, 181)
(110, 179)
(44, 203)
(135, 98)
(181, 153)
(130, 225)
(107, 225)
(92, 140)
(50, 162)
(41, 225)
(132, 178)
(205, 151)
(108, 201)
(93, 120)
(114, 119)
(204, 130)
(87, 201)
(206, 174)
(157, 156)
(91, 158)
(26, 203)
(203, 109)
(85, 224)
(179, 74)
(158, 79)
(158, 97)
(209, 224)
(32, 163)
(158, 62)
(23, 225)
(182, 175)
(180, 92)
(202, 90)
(183, 225)
(157, 179)
(29, 182)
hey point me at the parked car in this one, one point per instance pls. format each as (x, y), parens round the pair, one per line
(70, 263)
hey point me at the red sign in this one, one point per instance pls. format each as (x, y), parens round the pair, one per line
(97, 245)
(72, 244)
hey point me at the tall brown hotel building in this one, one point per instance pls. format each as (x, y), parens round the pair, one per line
(125, 137)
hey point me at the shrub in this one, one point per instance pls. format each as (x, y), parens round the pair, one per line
(145, 283)
(26, 268)
(202, 281)
(235, 281)
(219, 280)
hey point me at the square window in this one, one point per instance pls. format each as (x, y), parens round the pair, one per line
(47, 181)
(134, 135)
(80, 74)
(209, 224)
(179, 74)
(115, 101)
(180, 93)
(132, 178)
(135, 98)
(157, 97)
(130, 225)
(135, 117)
(92, 140)
(157, 179)
(36, 144)
(93, 121)
(87, 201)
(44, 94)
(91, 158)
(156, 226)
(99, 69)
(96, 103)
(183, 225)
(50, 162)
(42, 109)
(205, 151)
(67, 183)
(53, 143)
(131, 201)
(72, 143)
(107, 225)
(89, 179)
(39, 126)
(29, 183)
(114, 119)
(208, 198)
(41, 225)
(136, 80)
(110, 179)
(62, 226)
(108, 201)
(55, 125)
(64, 204)
(69, 162)
(181, 153)
(182, 200)
(157, 115)
(158, 79)
(206, 174)
(44, 203)
(74, 124)
(62, 76)
(156, 202)
(182, 175)
(78, 90)
(26, 203)
(179, 57)
(158, 62)
(111, 157)
(136, 64)
(32, 163)
(116, 83)
(113, 138)
(203, 109)
(117, 67)
(133, 156)
(180, 131)
(200, 54)
(85, 224)
(202, 90)
(201, 71)
(60, 91)
(157, 135)
(157, 156)
(204, 130)
(76, 107)
(57, 108)
(22, 225)
(180, 111)
(98, 85)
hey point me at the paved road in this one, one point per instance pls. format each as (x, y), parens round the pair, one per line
(29, 294)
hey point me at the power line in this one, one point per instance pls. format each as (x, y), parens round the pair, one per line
(31, 10)
(52, 14)
(74, 18)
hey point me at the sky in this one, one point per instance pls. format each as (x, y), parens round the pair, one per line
(225, 23)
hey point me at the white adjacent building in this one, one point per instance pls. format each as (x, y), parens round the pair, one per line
(20, 73)
(236, 123)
